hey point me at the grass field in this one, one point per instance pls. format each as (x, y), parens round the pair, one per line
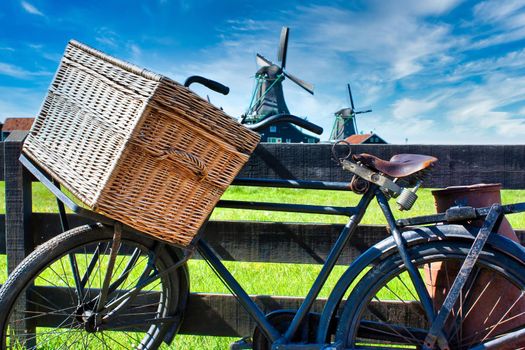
(259, 278)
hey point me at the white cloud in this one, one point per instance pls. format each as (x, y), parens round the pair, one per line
(407, 108)
(11, 106)
(497, 39)
(135, 50)
(486, 66)
(483, 107)
(13, 71)
(505, 20)
(31, 8)
(107, 37)
(499, 11)
(396, 38)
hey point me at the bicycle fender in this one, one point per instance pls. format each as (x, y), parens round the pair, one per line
(388, 247)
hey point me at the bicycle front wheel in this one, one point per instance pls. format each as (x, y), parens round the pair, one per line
(384, 310)
(50, 301)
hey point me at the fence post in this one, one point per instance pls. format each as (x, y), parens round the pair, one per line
(17, 202)
(18, 238)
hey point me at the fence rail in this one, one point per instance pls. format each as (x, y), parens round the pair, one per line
(266, 242)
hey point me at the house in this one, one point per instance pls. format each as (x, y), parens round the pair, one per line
(365, 139)
(286, 133)
(12, 124)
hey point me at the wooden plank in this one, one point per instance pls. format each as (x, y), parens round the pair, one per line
(224, 316)
(251, 241)
(211, 314)
(18, 236)
(286, 242)
(458, 164)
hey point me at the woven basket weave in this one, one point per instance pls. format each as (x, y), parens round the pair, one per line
(136, 146)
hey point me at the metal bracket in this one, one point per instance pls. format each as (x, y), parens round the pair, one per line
(376, 178)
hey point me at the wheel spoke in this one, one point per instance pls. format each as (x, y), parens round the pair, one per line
(62, 317)
(124, 274)
(91, 265)
(384, 302)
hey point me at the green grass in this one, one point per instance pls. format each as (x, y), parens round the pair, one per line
(260, 278)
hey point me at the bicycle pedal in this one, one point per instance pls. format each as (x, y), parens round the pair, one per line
(241, 344)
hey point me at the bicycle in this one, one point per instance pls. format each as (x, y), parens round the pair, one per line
(84, 284)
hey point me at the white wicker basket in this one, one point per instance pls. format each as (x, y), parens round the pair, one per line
(136, 146)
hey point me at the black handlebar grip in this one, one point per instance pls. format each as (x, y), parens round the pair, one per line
(210, 84)
(316, 129)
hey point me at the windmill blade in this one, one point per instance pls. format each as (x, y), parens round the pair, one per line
(307, 86)
(263, 61)
(283, 46)
(351, 98)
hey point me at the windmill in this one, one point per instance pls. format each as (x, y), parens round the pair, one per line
(345, 123)
(268, 98)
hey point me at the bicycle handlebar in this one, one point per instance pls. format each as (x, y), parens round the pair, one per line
(210, 84)
(274, 119)
(286, 118)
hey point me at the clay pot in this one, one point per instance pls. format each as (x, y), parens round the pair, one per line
(480, 195)
(493, 296)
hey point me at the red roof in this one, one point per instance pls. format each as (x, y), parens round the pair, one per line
(357, 138)
(12, 124)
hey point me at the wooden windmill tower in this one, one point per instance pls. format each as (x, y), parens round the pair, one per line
(345, 123)
(268, 98)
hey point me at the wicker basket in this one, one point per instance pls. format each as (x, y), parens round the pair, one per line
(136, 146)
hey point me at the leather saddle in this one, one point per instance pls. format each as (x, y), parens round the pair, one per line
(400, 165)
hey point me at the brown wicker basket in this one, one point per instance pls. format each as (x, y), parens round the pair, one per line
(136, 146)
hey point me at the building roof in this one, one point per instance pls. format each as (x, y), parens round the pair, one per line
(12, 124)
(357, 138)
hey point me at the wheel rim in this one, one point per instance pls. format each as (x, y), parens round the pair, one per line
(480, 314)
(56, 317)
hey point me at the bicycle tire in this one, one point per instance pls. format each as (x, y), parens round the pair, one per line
(40, 306)
(366, 324)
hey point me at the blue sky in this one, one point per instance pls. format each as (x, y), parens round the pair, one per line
(444, 71)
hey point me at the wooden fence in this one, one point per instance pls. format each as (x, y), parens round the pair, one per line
(265, 242)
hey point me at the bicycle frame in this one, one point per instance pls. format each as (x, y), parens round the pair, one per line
(355, 214)
(282, 341)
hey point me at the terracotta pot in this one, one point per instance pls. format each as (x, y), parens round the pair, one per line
(480, 195)
(493, 296)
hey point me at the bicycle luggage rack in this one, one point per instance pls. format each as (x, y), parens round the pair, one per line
(456, 214)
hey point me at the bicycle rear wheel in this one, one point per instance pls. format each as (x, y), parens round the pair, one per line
(384, 310)
(50, 301)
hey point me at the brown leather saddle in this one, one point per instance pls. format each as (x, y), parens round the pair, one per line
(400, 165)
